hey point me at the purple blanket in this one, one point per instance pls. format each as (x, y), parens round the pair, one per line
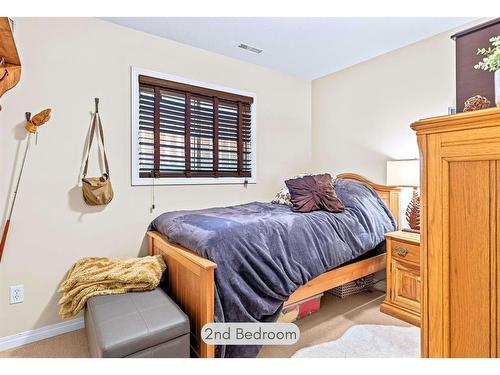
(264, 251)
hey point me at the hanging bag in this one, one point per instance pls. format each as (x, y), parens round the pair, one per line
(97, 190)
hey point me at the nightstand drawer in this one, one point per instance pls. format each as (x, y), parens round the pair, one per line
(405, 251)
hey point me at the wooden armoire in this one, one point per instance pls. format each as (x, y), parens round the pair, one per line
(460, 234)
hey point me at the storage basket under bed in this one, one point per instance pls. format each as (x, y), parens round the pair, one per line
(354, 287)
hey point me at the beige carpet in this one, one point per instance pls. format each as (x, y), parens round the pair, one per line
(334, 318)
(69, 345)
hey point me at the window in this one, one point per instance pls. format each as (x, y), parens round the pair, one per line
(190, 132)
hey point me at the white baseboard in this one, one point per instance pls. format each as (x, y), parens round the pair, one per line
(23, 338)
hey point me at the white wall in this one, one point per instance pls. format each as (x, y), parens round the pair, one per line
(68, 62)
(362, 114)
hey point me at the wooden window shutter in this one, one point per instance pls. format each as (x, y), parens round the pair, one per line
(189, 131)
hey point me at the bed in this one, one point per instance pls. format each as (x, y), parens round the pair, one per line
(193, 283)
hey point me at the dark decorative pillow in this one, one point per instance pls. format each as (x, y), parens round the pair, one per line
(311, 193)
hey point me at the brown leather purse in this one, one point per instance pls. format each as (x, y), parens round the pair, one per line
(97, 190)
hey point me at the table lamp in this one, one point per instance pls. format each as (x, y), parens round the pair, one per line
(405, 173)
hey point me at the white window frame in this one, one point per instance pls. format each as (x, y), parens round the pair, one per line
(138, 181)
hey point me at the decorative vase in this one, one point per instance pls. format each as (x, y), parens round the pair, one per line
(497, 88)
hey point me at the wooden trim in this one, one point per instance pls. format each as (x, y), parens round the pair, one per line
(495, 283)
(401, 313)
(412, 238)
(191, 277)
(216, 137)
(240, 138)
(493, 257)
(187, 136)
(460, 121)
(179, 251)
(196, 174)
(184, 87)
(375, 186)
(207, 314)
(424, 323)
(156, 127)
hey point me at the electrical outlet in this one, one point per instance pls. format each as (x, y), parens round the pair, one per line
(16, 294)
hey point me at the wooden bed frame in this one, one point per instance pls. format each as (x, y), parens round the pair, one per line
(191, 277)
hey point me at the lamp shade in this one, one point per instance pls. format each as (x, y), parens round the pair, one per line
(403, 173)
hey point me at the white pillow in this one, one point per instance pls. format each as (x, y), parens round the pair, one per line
(282, 197)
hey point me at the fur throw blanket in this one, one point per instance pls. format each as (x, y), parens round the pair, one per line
(101, 276)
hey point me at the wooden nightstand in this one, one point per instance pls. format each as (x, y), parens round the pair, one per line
(403, 277)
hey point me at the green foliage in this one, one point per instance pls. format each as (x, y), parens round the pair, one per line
(491, 59)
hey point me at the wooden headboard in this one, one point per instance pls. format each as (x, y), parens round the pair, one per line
(389, 194)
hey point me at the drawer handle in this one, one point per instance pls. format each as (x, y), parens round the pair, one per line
(401, 251)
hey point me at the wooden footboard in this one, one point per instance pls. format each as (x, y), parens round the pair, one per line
(191, 277)
(190, 282)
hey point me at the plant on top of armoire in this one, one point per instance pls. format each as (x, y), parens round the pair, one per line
(491, 62)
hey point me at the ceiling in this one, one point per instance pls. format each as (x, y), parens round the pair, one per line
(306, 47)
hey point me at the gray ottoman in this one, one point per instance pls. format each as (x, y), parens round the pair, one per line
(137, 324)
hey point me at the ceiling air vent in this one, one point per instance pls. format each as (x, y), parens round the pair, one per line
(250, 48)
